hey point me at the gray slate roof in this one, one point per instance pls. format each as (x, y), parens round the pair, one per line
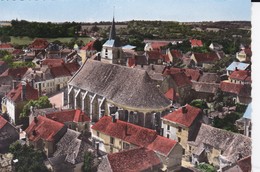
(205, 87)
(230, 143)
(238, 65)
(122, 85)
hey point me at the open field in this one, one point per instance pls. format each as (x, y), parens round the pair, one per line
(26, 40)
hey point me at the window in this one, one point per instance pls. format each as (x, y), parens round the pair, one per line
(168, 127)
(97, 133)
(168, 136)
(183, 151)
(112, 140)
(179, 129)
(179, 139)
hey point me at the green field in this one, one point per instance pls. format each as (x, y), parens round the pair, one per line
(26, 40)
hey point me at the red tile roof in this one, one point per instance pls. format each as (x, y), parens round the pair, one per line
(44, 128)
(15, 72)
(158, 45)
(170, 94)
(59, 71)
(39, 43)
(2, 122)
(176, 54)
(131, 62)
(185, 119)
(134, 160)
(238, 89)
(206, 57)
(242, 75)
(193, 74)
(17, 52)
(89, 46)
(196, 43)
(248, 52)
(6, 46)
(30, 93)
(162, 145)
(245, 164)
(128, 132)
(181, 79)
(153, 55)
(165, 57)
(53, 62)
(72, 67)
(68, 116)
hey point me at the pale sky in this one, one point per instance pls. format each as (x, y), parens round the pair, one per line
(125, 10)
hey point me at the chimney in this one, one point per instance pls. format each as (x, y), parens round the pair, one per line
(236, 69)
(184, 109)
(113, 118)
(97, 148)
(152, 67)
(35, 120)
(142, 65)
(23, 93)
(14, 84)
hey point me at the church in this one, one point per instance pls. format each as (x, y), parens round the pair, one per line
(130, 94)
(112, 51)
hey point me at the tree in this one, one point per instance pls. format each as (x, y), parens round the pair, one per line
(97, 45)
(88, 164)
(204, 167)
(199, 104)
(5, 38)
(228, 122)
(29, 160)
(42, 102)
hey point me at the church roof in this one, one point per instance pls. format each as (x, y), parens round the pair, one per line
(128, 87)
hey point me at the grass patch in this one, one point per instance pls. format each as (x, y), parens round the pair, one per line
(25, 40)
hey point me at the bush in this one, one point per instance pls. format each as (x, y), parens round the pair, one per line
(204, 167)
(241, 108)
(199, 104)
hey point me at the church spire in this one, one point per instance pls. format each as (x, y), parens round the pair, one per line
(112, 34)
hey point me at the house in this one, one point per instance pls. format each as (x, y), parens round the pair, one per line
(237, 66)
(180, 83)
(215, 46)
(240, 77)
(244, 124)
(240, 93)
(52, 76)
(138, 160)
(14, 101)
(112, 51)
(204, 60)
(242, 165)
(73, 119)
(196, 43)
(14, 73)
(38, 45)
(218, 147)
(102, 88)
(207, 77)
(88, 50)
(244, 55)
(174, 54)
(154, 57)
(69, 153)
(6, 47)
(204, 90)
(8, 135)
(3, 67)
(182, 124)
(155, 45)
(44, 133)
(114, 135)
(154, 71)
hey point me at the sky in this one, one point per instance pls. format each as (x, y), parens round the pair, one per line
(125, 10)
